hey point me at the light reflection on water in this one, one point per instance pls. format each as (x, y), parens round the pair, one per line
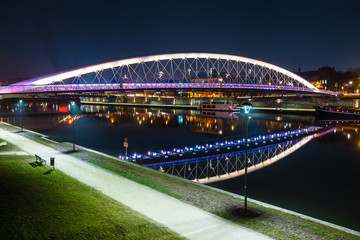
(106, 128)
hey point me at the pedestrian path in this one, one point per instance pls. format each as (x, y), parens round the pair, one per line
(184, 219)
(14, 153)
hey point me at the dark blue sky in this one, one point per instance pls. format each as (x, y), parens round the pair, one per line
(41, 37)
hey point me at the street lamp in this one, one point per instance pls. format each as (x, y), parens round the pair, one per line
(73, 109)
(246, 106)
(21, 114)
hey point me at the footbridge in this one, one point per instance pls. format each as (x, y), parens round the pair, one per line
(178, 71)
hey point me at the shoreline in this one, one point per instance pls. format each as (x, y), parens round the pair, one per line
(348, 230)
(197, 107)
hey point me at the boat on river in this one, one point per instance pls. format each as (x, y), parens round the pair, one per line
(215, 106)
(335, 111)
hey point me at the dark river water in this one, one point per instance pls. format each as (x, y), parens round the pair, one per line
(320, 179)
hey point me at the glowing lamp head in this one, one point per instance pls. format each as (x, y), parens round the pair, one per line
(246, 106)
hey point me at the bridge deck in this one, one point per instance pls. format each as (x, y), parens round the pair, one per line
(154, 86)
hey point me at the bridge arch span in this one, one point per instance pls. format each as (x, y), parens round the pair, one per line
(178, 68)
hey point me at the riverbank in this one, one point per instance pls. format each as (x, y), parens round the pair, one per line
(181, 106)
(156, 105)
(184, 219)
(38, 202)
(271, 222)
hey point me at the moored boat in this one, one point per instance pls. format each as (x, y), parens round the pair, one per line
(333, 111)
(214, 106)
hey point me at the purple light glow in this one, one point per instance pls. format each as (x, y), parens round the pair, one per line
(149, 86)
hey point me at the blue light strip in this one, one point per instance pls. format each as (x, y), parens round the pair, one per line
(204, 148)
(200, 159)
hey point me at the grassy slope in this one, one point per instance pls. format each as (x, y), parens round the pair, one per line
(35, 205)
(276, 224)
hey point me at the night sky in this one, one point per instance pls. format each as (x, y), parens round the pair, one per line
(41, 37)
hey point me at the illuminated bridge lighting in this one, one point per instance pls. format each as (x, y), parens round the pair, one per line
(190, 61)
(227, 165)
(218, 147)
(150, 86)
(224, 155)
(181, 71)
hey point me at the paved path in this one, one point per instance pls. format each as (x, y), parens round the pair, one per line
(13, 153)
(184, 219)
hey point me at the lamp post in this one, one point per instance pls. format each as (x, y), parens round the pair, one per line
(21, 114)
(246, 106)
(73, 123)
(73, 106)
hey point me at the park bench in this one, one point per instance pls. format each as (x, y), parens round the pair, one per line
(40, 160)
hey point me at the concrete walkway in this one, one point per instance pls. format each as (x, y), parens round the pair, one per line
(184, 219)
(13, 153)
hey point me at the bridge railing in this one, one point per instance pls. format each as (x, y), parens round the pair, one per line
(145, 86)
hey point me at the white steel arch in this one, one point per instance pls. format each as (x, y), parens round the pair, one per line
(142, 67)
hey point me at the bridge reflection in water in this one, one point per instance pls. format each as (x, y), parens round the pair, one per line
(223, 166)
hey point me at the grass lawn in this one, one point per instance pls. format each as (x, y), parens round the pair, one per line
(36, 204)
